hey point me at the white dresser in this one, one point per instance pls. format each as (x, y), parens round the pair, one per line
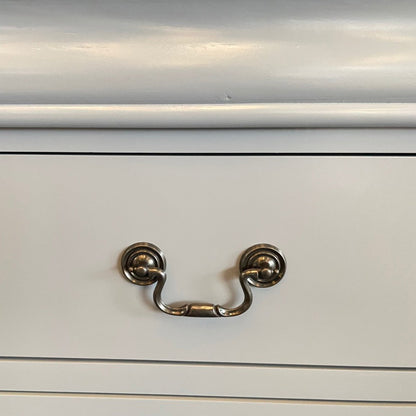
(207, 208)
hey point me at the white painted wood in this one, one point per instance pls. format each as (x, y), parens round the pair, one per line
(213, 52)
(72, 405)
(346, 225)
(257, 115)
(210, 140)
(207, 380)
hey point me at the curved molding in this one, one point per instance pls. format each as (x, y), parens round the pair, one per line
(259, 115)
(140, 52)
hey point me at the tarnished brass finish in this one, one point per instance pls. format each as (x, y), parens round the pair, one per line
(261, 265)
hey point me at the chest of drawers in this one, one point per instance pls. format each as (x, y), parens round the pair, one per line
(90, 167)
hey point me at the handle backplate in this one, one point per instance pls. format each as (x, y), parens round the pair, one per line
(262, 265)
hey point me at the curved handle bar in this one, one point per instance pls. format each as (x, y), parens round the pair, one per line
(261, 265)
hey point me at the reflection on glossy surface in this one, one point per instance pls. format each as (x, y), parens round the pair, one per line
(208, 52)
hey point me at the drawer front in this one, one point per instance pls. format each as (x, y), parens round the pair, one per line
(91, 405)
(345, 224)
(213, 380)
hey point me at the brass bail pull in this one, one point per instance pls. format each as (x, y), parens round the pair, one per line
(261, 265)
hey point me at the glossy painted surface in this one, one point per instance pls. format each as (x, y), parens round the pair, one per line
(370, 141)
(345, 224)
(208, 380)
(206, 116)
(88, 405)
(176, 51)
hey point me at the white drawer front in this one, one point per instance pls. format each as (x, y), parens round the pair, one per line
(207, 380)
(345, 224)
(91, 405)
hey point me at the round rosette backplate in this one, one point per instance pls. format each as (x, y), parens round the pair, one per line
(138, 259)
(267, 260)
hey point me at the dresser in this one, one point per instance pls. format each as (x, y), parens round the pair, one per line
(207, 208)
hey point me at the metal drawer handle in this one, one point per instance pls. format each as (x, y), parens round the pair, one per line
(261, 265)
